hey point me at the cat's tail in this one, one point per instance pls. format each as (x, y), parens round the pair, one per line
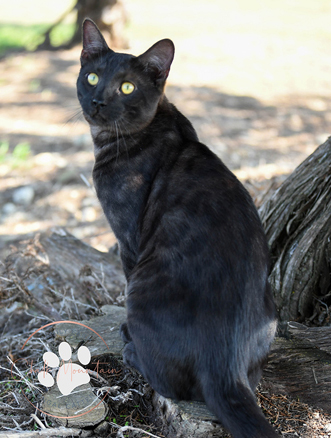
(237, 410)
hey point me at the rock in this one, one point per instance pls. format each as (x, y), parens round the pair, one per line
(82, 141)
(8, 209)
(69, 176)
(102, 429)
(23, 195)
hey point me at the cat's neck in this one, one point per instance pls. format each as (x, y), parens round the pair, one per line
(112, 142)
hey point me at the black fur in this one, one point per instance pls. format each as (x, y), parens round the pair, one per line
(201, 316)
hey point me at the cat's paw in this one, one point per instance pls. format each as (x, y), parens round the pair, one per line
(69, 375)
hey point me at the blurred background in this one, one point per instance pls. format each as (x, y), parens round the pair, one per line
(253, 76)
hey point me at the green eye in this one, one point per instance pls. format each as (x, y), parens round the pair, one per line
(93, 79)
(127, 87)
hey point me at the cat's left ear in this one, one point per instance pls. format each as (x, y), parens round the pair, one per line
(94, 43)
(158, 59)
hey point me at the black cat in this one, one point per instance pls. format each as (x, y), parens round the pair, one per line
(201, 316)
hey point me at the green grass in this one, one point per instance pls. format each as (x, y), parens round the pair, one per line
(62, 33)
(19, 36)
(18, 157)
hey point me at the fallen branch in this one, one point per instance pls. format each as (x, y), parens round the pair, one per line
(58, 432)
(123, 429)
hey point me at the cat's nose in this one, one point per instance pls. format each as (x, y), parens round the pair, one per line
(98, 103)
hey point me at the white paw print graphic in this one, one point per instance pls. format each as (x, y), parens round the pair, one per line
(69, 375)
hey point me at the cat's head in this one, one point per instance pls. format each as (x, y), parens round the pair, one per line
(121, 92)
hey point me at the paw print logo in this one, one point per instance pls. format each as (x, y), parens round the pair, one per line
(69, 375)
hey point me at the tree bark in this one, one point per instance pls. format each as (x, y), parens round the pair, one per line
(297, 220)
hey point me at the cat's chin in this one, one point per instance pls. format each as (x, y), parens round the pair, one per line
(96, 121)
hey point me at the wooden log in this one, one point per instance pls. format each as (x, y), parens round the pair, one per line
(298, 369)
(81, 408)
(104, 338)
(75, 259)
(318, 337)
(56, 260)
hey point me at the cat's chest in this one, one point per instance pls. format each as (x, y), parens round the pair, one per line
(118, 190)
(123, 190)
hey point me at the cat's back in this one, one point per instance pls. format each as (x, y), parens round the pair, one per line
(198, 209)
(194, 182)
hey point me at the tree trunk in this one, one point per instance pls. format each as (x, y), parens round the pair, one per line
(297, 220)
(109, 15)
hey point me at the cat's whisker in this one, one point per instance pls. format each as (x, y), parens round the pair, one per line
(117, 141)
(123, 138)
(110, 134)
(127, 132)
(74, 117)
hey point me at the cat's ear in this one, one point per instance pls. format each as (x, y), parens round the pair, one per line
(94, 43)
(158, 59)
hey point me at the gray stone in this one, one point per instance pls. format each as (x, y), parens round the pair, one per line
(23, 195)
(9, 208)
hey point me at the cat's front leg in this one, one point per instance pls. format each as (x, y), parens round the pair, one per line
(124, 332)
(130, 357)
(128, 261)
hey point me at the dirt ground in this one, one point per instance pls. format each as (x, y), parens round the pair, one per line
(262, 103)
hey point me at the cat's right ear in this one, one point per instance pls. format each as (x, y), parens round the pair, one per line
(94, 43)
